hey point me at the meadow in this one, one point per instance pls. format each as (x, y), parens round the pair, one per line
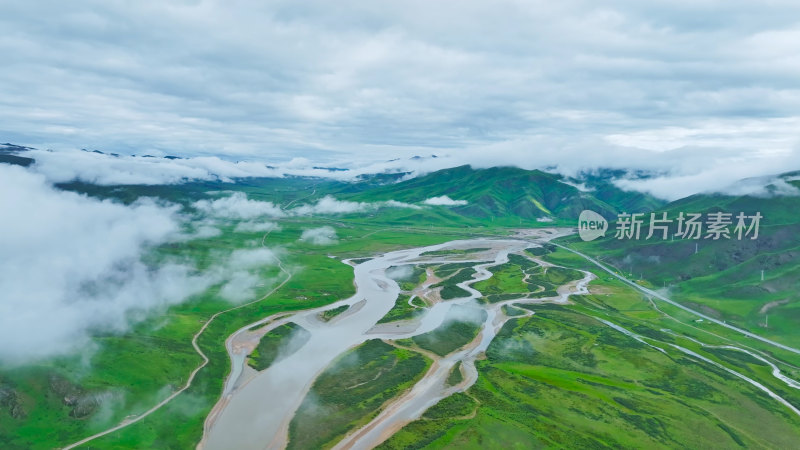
(558, 378)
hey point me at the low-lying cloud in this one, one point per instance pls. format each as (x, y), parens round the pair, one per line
(240, 270)
(399, 273)
(444, 201)
(713, 180)
(320, 236)
(238, 206)
(67, 165)
(330, 205)
(679, 166)
(469, 312)
(397, 204)
(73, 265)
(202, 231)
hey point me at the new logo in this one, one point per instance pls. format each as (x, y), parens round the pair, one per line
(591, 225)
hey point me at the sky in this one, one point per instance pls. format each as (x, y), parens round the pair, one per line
(703, 93)
(697, 89)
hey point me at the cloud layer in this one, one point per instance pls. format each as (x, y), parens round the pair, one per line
(320, 236)
(444, 200)
(73, 265)
(682, 87)
(238, 206)
(330, 205)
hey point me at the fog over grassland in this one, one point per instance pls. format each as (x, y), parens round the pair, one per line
(72, 265)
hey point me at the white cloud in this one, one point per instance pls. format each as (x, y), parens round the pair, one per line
(240, 287)
(239, 272)
(330, 205)
(246, 259)
(399, 273)
(72, 264)
(396, 204)
(762, 187)
(106, 169)
(319, 236)
(714, 179)
(238, 206)
(444, 201)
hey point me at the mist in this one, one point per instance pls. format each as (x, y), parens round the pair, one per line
(399, 273)
(444, 201)
(320, 236)
(73, 265)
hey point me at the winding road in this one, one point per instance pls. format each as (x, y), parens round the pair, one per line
(655, 294)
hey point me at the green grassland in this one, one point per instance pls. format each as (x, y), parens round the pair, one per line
(284, 339)
(351, 392)
(455, 375)
(523, 278)
(454, 406)
(329, 314)
(508, 196)
(511, 311)
(454, 276)
(506, 279)
(402, 310)
(460, 327)
(450, 269)
(412, 281)
(560, 378)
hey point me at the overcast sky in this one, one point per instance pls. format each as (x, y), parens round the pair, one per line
(705, 92)
(681, 84)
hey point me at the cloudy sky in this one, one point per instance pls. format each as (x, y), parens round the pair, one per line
(702, 88)
(703, 91)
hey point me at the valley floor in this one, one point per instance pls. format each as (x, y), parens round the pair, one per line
(459, 341)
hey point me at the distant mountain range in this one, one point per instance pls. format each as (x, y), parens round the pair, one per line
(513, 192)
(9, 154)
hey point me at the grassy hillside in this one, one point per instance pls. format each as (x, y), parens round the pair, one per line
(564, 378)
(498, 196)
(508, 194)
(721, 277)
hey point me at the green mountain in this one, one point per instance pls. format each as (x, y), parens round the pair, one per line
(500, 196)
(510, 193)
(599, 183)
(722, 277)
